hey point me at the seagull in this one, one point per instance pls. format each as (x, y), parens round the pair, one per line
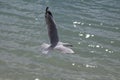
(55, 44)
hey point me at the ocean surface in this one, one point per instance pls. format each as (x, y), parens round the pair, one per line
(91, 26)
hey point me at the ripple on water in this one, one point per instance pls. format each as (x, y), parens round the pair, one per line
(85, 35)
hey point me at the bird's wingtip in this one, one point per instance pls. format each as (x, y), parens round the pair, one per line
(47, 9)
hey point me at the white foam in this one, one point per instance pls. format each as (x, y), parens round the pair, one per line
(111, 42)
(90, 45)
(82, 23)
(80, 34)
(91, 66)
(106, 50)
(78, 42)
(92, 51)
(37, 79)
(75, 22)
(87, 36)
(92, 35)
(89, 24)
(74, 25)
(97, 46)
(73, 64)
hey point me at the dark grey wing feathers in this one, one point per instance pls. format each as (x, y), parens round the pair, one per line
(52, 30)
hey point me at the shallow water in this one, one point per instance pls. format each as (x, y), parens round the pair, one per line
(92, 27)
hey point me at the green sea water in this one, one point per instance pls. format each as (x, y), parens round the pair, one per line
(91, 26)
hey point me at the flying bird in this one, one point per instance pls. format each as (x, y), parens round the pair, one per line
(55, 44)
